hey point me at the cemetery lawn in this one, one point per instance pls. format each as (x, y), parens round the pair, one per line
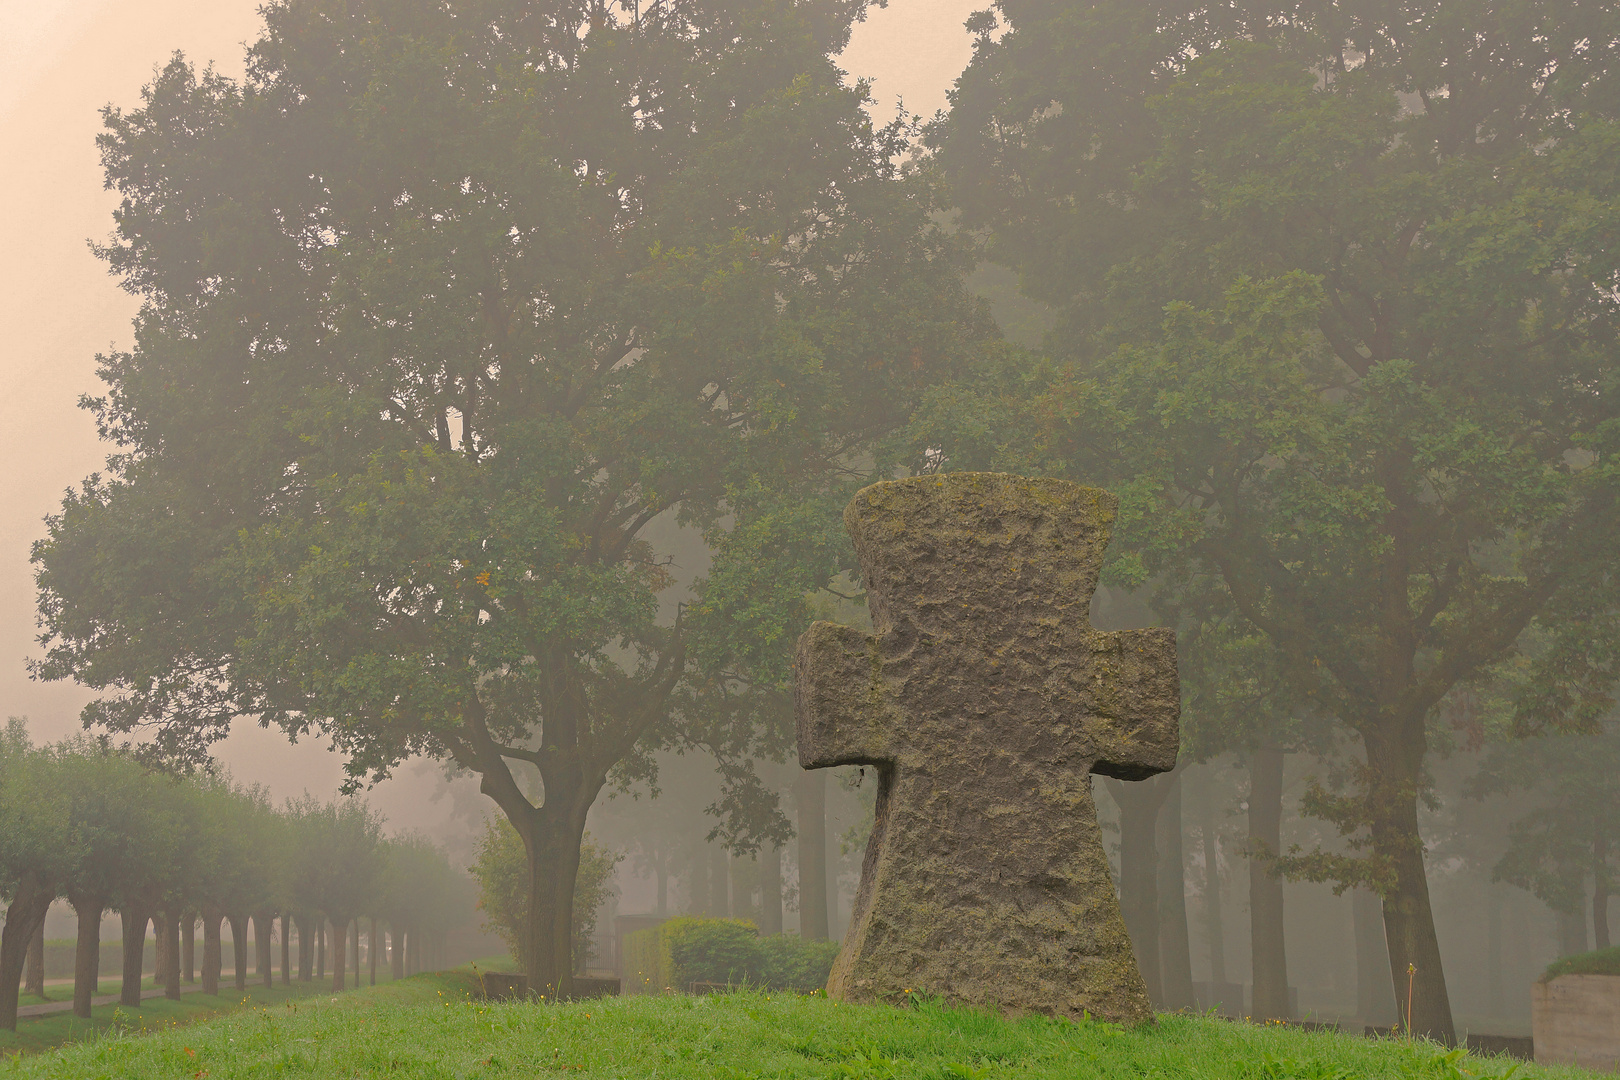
(40, 1033)
(428, 1026)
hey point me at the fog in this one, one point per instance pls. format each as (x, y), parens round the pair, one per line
(62, 61)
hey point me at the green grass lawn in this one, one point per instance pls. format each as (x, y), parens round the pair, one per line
(35, 1034)
(428, 1027)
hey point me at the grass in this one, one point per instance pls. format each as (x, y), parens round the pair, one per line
(428, 1027)
(40, 1033)
(1598, 962)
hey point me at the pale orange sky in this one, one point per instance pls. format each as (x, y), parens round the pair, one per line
(60, 61)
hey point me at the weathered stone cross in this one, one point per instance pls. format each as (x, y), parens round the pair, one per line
(986, 700)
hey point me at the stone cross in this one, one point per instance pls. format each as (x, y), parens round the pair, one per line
(986, 700)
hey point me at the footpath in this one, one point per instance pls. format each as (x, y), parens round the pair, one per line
(50, 1007)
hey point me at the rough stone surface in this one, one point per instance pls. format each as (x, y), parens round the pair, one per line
(1575, 1020)
(985, 700)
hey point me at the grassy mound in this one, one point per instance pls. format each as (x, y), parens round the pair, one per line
(1598, 962)
(427, 1026)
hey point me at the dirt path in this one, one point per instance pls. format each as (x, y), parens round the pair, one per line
(50, 1007)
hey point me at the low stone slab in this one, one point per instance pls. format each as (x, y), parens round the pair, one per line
(1575, 1020)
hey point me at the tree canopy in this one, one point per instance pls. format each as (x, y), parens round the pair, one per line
(1337, 318)
(443, 305)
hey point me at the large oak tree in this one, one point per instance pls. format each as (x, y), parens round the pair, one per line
(443, 304)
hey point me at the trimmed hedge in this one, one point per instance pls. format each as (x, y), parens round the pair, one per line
(683, 951)
(1597, 962)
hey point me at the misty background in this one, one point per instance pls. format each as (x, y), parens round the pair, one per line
(62, 60)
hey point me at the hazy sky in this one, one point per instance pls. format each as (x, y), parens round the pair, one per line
(60, 62)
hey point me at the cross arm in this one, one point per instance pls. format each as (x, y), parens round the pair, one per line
(1138, 703)
(842, 706)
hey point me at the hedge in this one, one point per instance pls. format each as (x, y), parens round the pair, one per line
(683, 951)
(1597, 962)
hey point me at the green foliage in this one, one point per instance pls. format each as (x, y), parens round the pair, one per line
(685, 950)
(713, 950)
(443, 305)
(338, 862)
(789, 962)
(35, 818)
(430, 1026)
(502, 871)
(1338, 326)
(1596, 962)
(1569, 834)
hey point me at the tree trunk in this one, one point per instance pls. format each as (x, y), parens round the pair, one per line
(552, 841)
(1214, 926)
(371, 951)
(770, 889)
(396, 951)
(719, 882)
(286, 949)
(26, 913)
(239, 950)
(354, 942)
(170, 973)
(188, 946)
(34, 968)
(1493, 953)
(810, 799)
(1139, 803)
(413, 952)
(1395, 766)
(86, 953)
(306, 949)
(213, 960)
(742, 900)
(1571, 932)
(697, 875)
(340, 939)
(160, 947)
(265, 948)
(1175, 949)
(1269, 955)
(134, 920)
(320, 947)
(1600, 888)
(1375, 1000)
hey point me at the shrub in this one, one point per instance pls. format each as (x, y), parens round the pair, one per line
(788, 962)
(1597, 962)
(683, 951)
(714, 950)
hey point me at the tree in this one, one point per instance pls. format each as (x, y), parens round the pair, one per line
(338, 867)
(35, 851)
(442, 306)
(113, 822)
(1337, 319)
(502, 871)
(1564, 844)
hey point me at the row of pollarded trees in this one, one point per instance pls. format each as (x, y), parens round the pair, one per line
(83, 821)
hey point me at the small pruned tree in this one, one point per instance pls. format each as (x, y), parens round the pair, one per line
(337, 867)
(499, 870)
(36, 850)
